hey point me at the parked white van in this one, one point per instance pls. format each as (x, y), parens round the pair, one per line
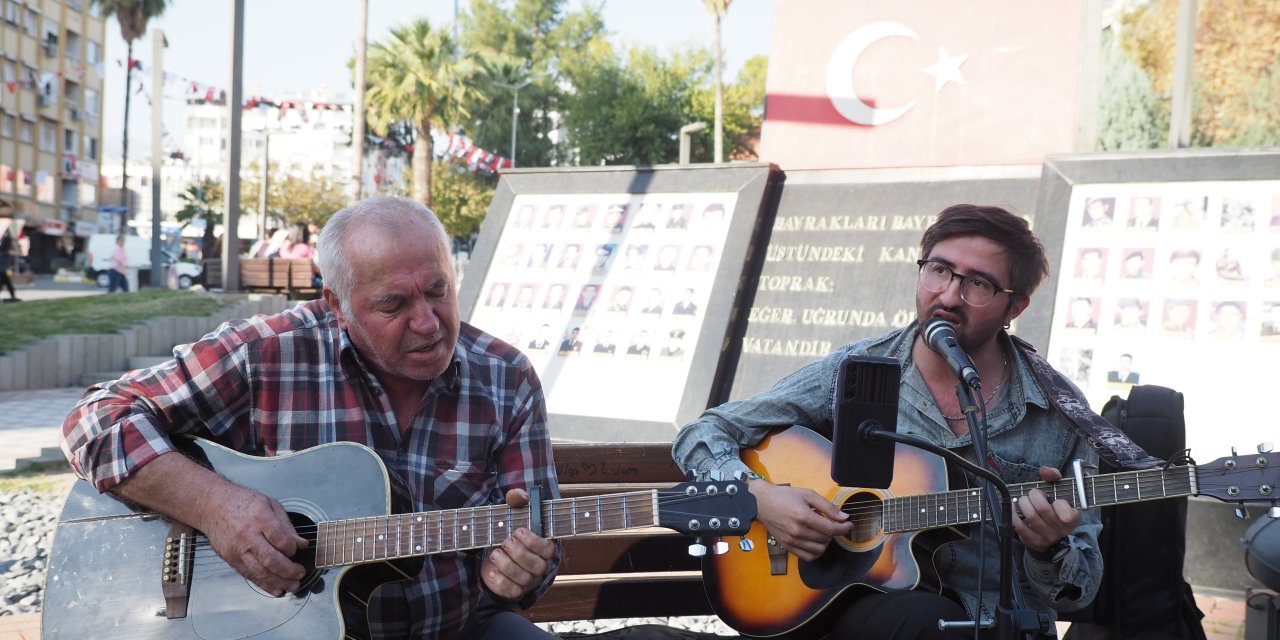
(138, 250)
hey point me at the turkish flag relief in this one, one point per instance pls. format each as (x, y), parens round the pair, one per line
(922, 83)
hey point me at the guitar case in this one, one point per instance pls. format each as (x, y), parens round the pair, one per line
(1143, 592)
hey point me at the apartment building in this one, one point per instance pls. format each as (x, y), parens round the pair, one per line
(51, 87)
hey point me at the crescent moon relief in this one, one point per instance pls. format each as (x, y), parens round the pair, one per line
(840, 74)
(845, 57)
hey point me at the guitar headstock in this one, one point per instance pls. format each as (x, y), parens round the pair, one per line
(707, 508)
(1240, 478)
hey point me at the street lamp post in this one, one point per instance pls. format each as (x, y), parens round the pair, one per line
(686, 133)
(515, 110)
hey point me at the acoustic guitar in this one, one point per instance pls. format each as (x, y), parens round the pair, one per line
(774, 594)
(120, 571)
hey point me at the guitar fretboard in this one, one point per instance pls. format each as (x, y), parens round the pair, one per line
(357, 540)
(966, 506)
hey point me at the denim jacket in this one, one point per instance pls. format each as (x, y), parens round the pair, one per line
(1024, 433)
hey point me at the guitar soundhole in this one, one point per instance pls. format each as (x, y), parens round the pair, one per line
(865, 513)
(311, 582)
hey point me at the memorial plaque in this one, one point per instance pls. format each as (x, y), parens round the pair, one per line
(623, 285)
(841, 259)
(1171, 276)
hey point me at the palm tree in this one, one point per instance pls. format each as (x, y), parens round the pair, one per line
(718, 8)
(505, 73)
(416, 75)
(133, 16)
(198, 203)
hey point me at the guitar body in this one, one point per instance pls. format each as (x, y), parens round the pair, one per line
(106, 561)
(766, 593)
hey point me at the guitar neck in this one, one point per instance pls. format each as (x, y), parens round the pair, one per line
(359, 540)
(967, 506)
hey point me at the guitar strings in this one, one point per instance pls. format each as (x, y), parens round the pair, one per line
(612, 506)
(1171, 482)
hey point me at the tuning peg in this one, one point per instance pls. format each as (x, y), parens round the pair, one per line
(697, 549)
(716, 475)
(1264, 447)
(1233, 451)
(1242, 513)
(1273, 512)
(746, 544)
(721, 547)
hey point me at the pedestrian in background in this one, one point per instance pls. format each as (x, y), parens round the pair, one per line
(117, 275)
(6, 263)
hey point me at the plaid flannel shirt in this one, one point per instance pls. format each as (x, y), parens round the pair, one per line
(277, 384)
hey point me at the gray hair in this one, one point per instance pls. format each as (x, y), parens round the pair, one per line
(389, 215)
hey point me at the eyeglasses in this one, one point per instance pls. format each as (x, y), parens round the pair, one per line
(977, 291)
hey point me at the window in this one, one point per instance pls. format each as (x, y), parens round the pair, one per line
(29, 24)
(6, 126)
(91, 101)
(48, 137)
(74, 5)
(51, 33)
(95, 11)
(10, 71)
(90, 148)
(26, 132)
(11, 11)
(44, 187)
(88, 193)
(93, 52)
(24, 182)
(73, 45)
(69, 138)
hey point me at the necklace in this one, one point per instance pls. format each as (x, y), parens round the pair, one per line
(1004, 377)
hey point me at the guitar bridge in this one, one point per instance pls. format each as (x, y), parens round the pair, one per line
(175, 575)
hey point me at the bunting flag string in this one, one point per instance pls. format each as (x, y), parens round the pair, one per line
(205, 92)
(461, 149)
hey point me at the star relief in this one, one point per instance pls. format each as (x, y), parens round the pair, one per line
(946, 69)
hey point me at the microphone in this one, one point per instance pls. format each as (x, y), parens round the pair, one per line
(941, 337)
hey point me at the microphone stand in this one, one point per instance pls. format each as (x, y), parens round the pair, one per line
(1013, 620)
(1010, 620)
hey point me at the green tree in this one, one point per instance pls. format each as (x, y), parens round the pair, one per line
(461, 198)
(631, 112)
(743, 114)
(1237, 55)
(200, 202)
(133, 16)
(418, 75)
(1259, 123)
(532, 39)
(1129, 112)
(311, 200)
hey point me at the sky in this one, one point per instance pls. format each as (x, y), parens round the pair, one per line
(294, 46)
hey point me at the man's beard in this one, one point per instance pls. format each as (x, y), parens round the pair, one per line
(380, 360)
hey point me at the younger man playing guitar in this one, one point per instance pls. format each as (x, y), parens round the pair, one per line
(980, 267)
(456, 416)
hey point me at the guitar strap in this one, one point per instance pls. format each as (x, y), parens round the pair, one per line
(1109, 441)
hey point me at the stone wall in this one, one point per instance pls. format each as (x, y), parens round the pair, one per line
(58, 361)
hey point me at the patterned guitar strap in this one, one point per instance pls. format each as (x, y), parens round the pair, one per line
(1109, 441)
